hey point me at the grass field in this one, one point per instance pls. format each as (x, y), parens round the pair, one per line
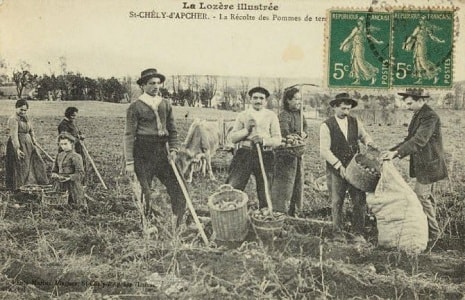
(105, 254)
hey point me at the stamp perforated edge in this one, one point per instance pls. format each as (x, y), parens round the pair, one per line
(389, 9)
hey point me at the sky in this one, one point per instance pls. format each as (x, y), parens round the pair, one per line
(100, 39)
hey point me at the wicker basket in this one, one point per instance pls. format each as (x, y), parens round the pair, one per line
(35, 189)
(358, 175)
(297, 150)
(269, 228)
(229, 224)
(54, 198)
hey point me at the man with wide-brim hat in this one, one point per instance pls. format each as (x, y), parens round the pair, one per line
(343, 98)
(424, 146)
(150, 73)
(339, 142)
(256, 125)
(151, 140)
(414, 93)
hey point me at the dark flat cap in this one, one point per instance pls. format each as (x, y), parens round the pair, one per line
(259, 89)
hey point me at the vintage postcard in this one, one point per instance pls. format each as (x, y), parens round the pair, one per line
(177, 149)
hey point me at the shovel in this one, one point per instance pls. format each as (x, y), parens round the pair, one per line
(188, 200)
(265, 179)
(86, 153)
(45, 152)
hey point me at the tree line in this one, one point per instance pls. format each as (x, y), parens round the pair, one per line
(69, 86)
(188, 90)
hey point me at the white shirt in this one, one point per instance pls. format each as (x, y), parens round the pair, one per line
(343, 125)
(267, 126)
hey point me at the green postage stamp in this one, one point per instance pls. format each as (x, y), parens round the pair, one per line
(398, 48)
(359, 52)
(422, 48)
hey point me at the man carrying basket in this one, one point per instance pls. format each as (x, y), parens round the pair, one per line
(339, 137)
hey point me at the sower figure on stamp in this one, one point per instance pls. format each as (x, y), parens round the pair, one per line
(417, 43)
(424, 146)
(355, 42)
(339, 142)
(256, 125)
(287, 185)
(150, 127)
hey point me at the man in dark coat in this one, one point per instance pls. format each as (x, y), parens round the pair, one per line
(151, 140)
(339, 142)
(424, 146)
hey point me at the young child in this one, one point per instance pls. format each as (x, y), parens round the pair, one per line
(69, 170)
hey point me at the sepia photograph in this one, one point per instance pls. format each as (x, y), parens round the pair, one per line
(176, 149)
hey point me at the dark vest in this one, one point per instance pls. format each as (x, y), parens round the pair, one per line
(343, 149)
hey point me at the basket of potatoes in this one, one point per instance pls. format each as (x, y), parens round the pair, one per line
(292, 144)
(363, 172)
(228, 210)
(267, 224)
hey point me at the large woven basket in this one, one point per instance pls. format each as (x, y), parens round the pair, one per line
(297, 150)
(358, 175)
(229, 224)
(54, 198)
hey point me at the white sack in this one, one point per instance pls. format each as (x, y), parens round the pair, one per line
(401, 222)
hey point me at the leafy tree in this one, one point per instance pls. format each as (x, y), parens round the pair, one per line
(111, 90)
(208, 90)
(45, 85)
(23, 79)
(90, 88)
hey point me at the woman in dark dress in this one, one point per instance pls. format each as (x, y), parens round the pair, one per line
(24, 165)
(287, 184)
